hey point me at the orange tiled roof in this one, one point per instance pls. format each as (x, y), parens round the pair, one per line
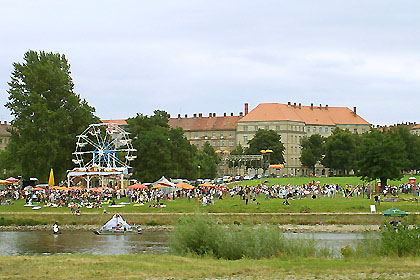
(281, 112)
(416, 127)
(118, 122)
(205, 123)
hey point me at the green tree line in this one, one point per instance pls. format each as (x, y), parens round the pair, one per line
(377, 154)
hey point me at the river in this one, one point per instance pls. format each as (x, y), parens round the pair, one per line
(150, 242)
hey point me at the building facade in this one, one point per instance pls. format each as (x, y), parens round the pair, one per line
(4, 135)
(293, 122)
(219, 131)
(416, 129)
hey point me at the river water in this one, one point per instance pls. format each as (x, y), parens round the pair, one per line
(150, 242)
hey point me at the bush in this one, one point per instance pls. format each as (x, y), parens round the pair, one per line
(152, 223)
(19, 222)
(201, 235)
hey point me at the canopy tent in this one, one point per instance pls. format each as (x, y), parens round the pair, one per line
(158, 186)
(13, 180)
(184, 186)
(5, 182)
(116, 222)
(164, 181)
(394, 212)
(207, 185)
(137, 186)
(60, 188)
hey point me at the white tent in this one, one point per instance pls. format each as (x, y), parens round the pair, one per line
(164, 181)
(116, 222)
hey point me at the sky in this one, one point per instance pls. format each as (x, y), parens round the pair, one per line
(195, 56)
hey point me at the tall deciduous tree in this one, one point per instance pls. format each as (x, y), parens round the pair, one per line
(47, 113)
(412, 146)
(382, 156)
(340, 150)
(162, 150)
(267, 140)
(208, 160)
(312, 150)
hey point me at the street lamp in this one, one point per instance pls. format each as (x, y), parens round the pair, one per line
(199, 171)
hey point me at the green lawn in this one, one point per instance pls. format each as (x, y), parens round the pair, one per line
(323, 180)
(173, 267)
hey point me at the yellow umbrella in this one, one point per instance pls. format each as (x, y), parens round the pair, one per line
(51, 179)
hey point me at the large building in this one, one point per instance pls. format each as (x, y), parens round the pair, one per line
(4, 135)
(416, 129)
(219, 131)
(293, 122)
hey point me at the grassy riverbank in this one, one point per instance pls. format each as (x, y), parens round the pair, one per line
(237, 205)
(166, 266)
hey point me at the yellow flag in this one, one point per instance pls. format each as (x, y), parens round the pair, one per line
(51, 179)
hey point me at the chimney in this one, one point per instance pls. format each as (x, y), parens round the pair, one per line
(5, 122)
(326, 107)
(300, 105)
(288, 104)
(210, 114)
(241, 114)
(294, 105)
(169, 116)
(200, 115)
(179, 116)
(312, 106)
(195, 116)
(186, 116)
(214, 114)
(224, 114)
(354, 111)
(320, 107)
(231, 114)
(246, 109)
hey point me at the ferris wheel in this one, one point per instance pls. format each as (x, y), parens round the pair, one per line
(104, 145)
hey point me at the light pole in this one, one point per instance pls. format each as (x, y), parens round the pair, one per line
(199, 172)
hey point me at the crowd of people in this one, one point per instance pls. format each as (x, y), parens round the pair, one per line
(77, 197)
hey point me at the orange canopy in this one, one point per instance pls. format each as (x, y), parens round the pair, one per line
(158, 186)
(138, 186)
(60, 188)
(184, 186)
(207, 185)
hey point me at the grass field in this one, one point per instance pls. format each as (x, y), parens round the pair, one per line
(323, 180)
(173, 267)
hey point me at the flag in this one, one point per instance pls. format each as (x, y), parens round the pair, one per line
(51, 179)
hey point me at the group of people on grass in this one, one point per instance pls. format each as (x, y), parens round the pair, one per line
(75, 198)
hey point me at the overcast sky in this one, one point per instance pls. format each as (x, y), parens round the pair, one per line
(195, 56)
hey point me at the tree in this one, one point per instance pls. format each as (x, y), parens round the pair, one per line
(312, 150)
(165, 151)
(340, 150)
(207, 159)
(412, 146)
(47, 116)
(382, 155)
(267, 140)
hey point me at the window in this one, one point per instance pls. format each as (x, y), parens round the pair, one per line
(231, 134)
(277, 127)
(206, 135)
(196, 136)
(197, 144)
(246, 139)
(231, 143)
(245, 128)
(214, 134)
(267, 127)
(320, 130)
(214, 143)
(256, 127)
(355, 130)
(363, 130)
(221, 134)
(314, 129)
(223, 143)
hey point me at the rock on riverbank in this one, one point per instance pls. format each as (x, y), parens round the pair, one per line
(286, 228)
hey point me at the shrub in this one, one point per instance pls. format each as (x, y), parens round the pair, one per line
(152, 223)
(201, 235)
